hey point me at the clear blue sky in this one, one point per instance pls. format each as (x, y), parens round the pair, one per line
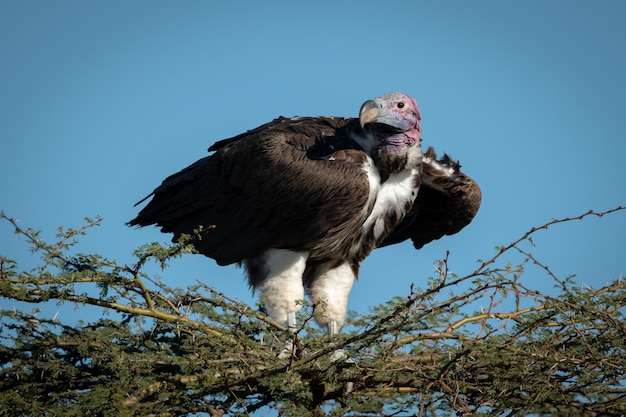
(100, 101)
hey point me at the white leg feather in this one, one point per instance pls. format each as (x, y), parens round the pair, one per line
(329, 292)
(282, 289)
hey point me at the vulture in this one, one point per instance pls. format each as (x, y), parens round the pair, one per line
(300, 202)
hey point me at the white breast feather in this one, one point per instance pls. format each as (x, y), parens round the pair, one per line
(392, 195)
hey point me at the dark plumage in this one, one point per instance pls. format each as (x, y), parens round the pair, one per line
(249, 195)
(302, 201)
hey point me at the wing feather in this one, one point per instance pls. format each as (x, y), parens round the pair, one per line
(447, 201)
(269, 187)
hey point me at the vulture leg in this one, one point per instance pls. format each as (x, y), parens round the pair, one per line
(277, 274)
(329, 289)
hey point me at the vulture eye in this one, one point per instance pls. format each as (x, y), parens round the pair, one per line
(400, 104)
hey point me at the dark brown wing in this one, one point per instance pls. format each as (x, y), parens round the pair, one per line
(447, 201)
(282, 185)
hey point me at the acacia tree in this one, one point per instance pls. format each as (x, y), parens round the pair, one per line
(162, 351)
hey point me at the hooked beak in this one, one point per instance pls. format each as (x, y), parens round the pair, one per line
(370, 111)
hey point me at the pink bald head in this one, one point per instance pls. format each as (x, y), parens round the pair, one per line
(394, 119)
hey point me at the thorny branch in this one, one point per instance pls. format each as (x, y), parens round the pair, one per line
(180, 352)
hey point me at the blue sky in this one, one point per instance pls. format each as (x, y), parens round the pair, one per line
(100, 101)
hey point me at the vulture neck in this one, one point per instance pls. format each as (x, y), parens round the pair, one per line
(390, 152)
